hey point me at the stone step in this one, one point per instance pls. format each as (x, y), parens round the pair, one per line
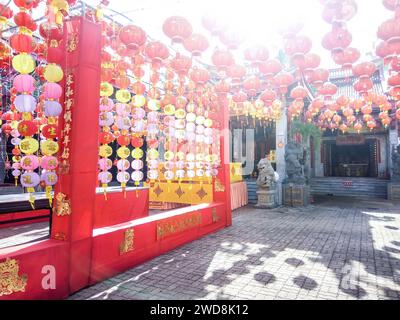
(351, 187)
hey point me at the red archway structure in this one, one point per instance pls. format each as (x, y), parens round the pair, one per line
(93, 238)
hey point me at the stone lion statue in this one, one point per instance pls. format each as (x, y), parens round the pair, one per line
(267, 177)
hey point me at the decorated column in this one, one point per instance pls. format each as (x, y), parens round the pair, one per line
(76, 191)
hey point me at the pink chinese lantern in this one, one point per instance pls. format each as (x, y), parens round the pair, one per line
(52, 91)
(24, 83)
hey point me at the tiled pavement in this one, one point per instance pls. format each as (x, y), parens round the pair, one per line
(332, 250)
(13, 236)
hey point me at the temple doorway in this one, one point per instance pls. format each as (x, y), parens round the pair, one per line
(353, 160)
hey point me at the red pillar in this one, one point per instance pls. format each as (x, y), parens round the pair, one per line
(79, 146)
(224, 170)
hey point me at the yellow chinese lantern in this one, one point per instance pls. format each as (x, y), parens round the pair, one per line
(53, 73)
(23, 63)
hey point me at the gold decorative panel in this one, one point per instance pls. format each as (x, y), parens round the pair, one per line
(127, 244)
(178, 224)
(10, 281)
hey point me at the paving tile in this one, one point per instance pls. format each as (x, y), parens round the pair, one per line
(322, 252)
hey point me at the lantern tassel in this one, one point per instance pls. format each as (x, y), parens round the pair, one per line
(31, 197)
(104, 186)
(48, 195)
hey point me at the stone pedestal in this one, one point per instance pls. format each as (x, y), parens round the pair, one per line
(266, 199)
(394, 191)
(295, 195)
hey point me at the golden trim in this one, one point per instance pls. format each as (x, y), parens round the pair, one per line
(218, 186)
(127, 244)
(10, 281)
(167, 228)
(215, 216)
(72, 42)
(63, 205)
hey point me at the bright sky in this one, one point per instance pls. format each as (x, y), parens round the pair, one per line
(258, 20)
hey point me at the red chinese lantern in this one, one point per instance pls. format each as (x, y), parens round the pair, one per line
(26, 4)
(27, 128)
(196, 44)
(339, 11)
(394, 80)
(181, 64)
(22, 43)
(222, 59)
(389, 31)
(282, 81)
(312, 61)
(364, 69)
(316, 106)
(177, 28)
(268, 96)
(51, 32)
(199, 76)
(320, 76)
(23, 19)
(328, 89)
(366, 109)
(156, 52)
(371, 124)
(270, 68)
(337, 40)
(139, 88)
(222, 88)
(363, 85)
(297, 47)
(212, 24)
(347, 57)
(384, 51)
(236, 73)
(336, 118)
(252, 86)
(132, 36)
(256, 54)
(298, 93)
(231, 39)
(398, 114)
(122, 82)
(239, 97)
(358, 127)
